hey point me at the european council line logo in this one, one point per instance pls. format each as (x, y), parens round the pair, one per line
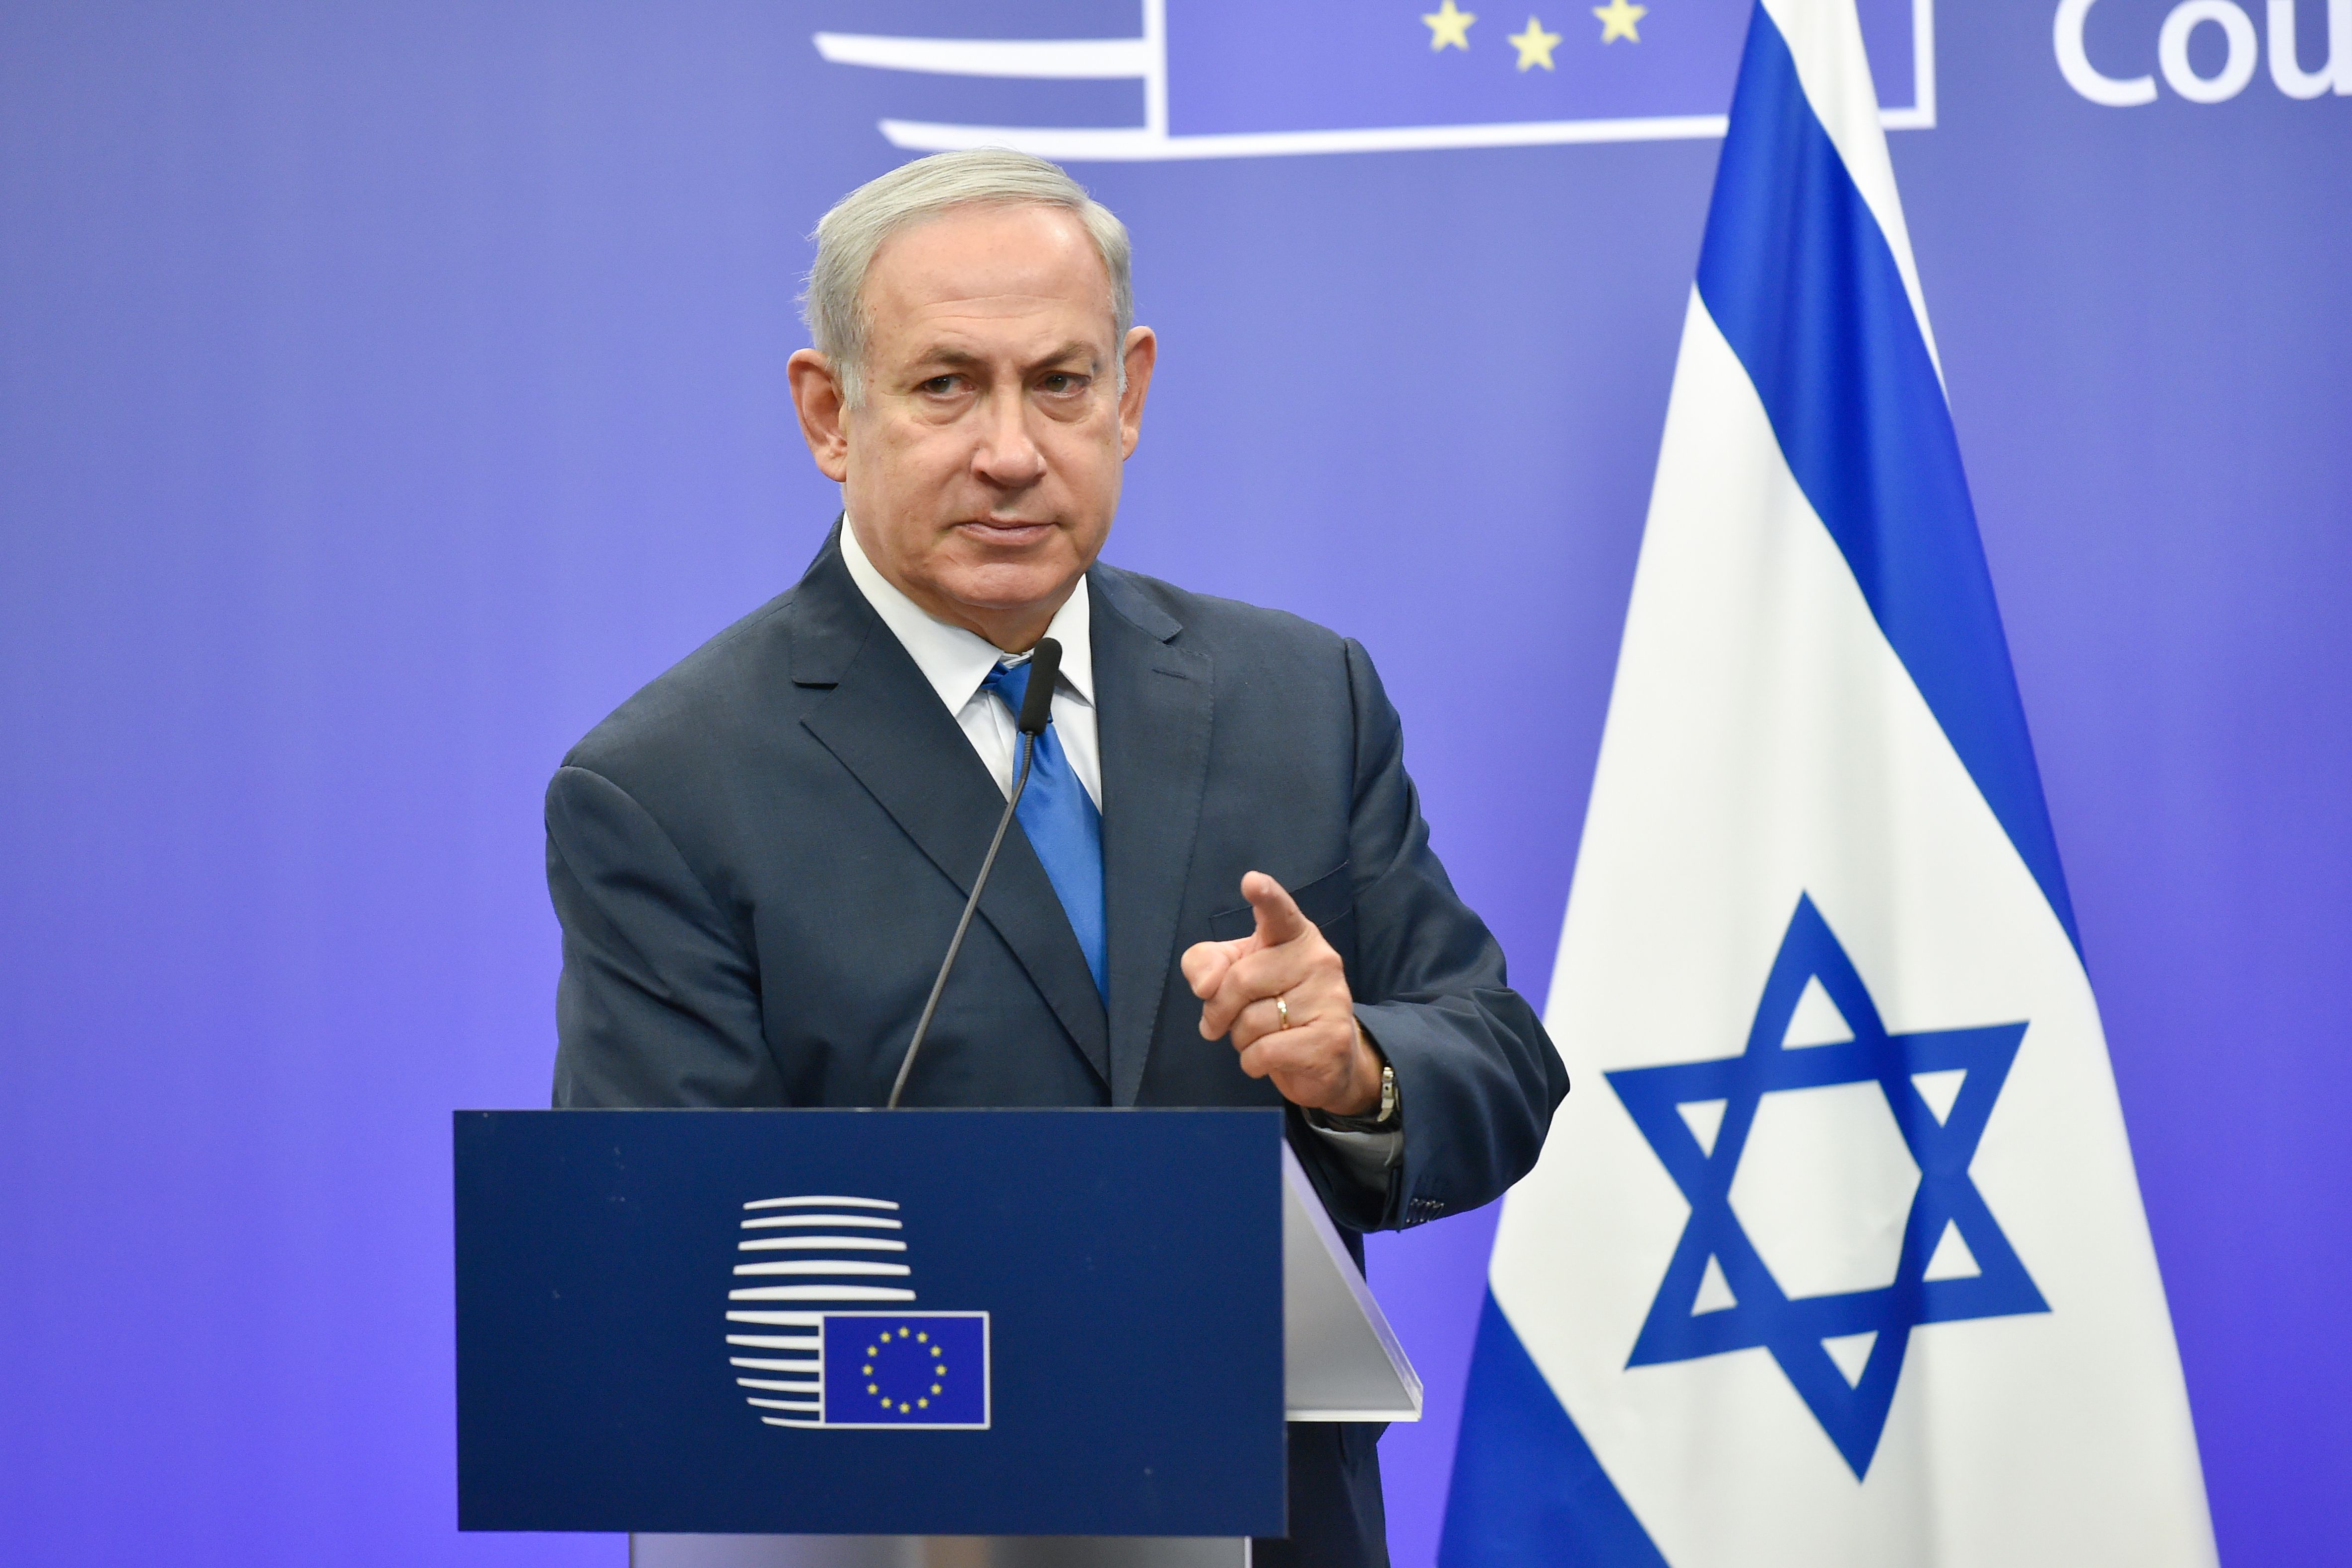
(834, 1355)
(1825, 1088)
(1228, 79)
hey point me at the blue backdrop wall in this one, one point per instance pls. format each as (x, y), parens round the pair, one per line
(387, 391)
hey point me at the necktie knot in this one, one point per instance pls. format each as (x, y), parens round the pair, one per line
(1010, 682)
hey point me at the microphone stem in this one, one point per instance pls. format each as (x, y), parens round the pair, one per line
(955, 943)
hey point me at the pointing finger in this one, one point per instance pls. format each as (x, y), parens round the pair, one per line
(1278, 917)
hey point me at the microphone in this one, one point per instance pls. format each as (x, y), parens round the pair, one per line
(1037, 702)
(1037, 712)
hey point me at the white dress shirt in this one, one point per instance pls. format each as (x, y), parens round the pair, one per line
(955, 661)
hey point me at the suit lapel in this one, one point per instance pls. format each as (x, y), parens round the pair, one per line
(1152, 703)
(886, 725)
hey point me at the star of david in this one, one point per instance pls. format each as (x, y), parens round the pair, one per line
(1798, 1331)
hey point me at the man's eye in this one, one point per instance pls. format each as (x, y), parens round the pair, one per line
(1062, 382)
(939, 386)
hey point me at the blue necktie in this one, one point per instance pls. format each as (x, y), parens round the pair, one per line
(1064, 826)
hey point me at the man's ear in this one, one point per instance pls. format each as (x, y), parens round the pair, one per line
(817, 398)
(1140, 353)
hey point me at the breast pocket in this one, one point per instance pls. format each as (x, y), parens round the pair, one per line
(1329, 901)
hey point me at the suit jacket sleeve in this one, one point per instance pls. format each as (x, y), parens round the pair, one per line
(659, 1000)
(1477, 1078)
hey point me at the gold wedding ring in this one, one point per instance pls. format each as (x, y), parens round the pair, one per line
(1281, 1011)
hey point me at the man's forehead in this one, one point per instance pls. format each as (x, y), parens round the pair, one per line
(991, 261)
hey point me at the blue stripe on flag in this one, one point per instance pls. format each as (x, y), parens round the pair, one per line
(1528, 1490)
(1801, 282)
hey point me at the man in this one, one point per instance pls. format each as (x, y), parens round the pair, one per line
(1222, 890)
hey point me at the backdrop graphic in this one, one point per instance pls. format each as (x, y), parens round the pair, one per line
(387, 391)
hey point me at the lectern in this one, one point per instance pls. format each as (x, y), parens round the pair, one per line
(850, 1339)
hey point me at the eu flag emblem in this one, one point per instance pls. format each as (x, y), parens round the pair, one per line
(906, 1369)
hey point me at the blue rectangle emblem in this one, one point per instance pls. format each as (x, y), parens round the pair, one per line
(906, 1369)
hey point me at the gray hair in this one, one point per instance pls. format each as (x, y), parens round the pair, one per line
(849, 236)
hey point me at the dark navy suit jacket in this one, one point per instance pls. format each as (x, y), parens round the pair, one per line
(758, 858)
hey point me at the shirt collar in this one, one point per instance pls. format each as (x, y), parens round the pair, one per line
(955, 661)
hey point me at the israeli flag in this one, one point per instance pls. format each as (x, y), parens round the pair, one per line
(1836, 1254)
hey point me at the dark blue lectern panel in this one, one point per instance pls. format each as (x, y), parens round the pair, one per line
(1020, 1322)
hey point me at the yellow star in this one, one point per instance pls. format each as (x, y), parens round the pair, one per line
(1617, 19)
(1448, 25)
(1535, 45)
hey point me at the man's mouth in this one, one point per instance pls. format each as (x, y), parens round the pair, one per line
(1010, 531)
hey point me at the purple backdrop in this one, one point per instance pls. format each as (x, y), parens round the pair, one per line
(388, 390)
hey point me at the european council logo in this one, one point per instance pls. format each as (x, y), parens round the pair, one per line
(842, 1350)
(1095, 80)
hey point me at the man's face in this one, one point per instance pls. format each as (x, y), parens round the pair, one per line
(981, 468)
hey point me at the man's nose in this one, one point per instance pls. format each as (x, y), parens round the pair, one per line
(1008, 455)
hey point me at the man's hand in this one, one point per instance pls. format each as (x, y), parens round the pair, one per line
(1320, 1060)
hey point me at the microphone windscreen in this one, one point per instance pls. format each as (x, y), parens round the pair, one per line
(1045, 668)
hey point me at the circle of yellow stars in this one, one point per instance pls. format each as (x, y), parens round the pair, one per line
(938, 1369)
(1449, 29)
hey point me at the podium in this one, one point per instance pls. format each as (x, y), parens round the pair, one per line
(919, 1338)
